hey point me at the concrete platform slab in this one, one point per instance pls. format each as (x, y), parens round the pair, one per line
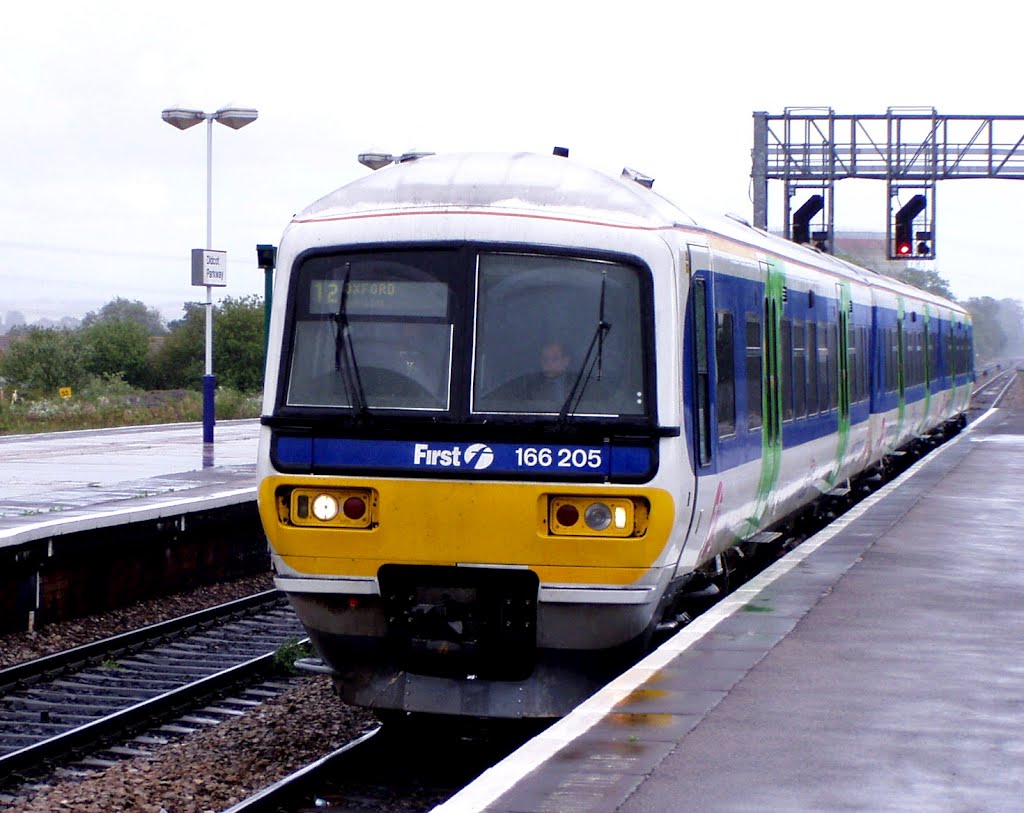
(63, 482)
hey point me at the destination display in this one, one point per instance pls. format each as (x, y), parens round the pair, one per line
(380, 297)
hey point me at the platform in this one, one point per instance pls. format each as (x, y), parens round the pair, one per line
(63, 482)
(879, 666)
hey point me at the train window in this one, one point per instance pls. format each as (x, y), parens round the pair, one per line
(372, 331)
(823, 367)
(556, 334)
(812, 368)
(787, 370)
(702, 374)
(913, 361)
(950, 359)
(901, 358)
(865, 376)
(853, 357)
(799, 370)
(725, 380)
(918, 358)
(832, 355)
(927, 344)
(753, 372)
(890, 360)
(858, 364)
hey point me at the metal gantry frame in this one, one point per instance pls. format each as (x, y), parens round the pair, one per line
(911, 149)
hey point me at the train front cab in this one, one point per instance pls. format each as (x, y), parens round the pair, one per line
(463, 545)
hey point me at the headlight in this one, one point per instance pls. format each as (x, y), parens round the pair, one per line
(325, 507)
(598, 516)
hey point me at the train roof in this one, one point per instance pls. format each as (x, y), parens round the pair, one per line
(532, 182)
(510, 182)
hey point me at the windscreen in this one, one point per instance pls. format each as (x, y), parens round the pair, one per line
(372, 332)
(557, 335)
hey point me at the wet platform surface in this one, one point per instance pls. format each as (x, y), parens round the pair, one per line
(65, 481)
(879, 667)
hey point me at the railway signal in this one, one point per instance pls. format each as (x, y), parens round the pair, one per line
(903, 233)
(802, 218)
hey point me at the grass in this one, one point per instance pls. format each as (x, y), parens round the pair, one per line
(286, 655)
(118, 405)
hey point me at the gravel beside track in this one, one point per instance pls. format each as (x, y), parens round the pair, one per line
(217, 767)
(212, 769)
(1014, 398)
(17, 647)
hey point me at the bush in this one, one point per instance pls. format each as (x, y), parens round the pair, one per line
(237, 346)
(117, 348)
(42, 360)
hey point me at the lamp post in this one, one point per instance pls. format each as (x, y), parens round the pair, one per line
(235, 118)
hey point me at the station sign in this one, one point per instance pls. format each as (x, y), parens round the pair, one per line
(209, 267)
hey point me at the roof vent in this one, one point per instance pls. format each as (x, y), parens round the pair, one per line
(411, 156)
(561, 152)
(638, 177)
(379, 160)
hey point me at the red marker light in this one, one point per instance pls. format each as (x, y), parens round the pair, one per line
(354, 508)
(567, 515)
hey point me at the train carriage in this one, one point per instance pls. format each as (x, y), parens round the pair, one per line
(517, 410)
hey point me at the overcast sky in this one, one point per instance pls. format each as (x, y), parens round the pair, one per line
(100, 198)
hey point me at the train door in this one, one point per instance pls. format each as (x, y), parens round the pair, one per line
(901, 376)
(698, 377)
(771, 392)
(928, 372)
(844, 307)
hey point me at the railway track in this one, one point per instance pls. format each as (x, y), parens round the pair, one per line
(73, 703)
(394, 769)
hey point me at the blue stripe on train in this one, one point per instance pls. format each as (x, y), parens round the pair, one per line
(564, 461)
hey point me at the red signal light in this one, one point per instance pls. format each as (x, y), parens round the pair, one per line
(354, 507)
(903, 249)
(567, 515)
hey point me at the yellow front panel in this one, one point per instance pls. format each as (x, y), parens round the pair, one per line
(426, 522)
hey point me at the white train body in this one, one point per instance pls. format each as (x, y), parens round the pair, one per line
(724, 381)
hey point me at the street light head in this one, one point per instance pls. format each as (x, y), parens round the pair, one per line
(181, 117)
(376, 160)
(235, 117)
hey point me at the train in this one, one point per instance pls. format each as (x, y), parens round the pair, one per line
(520, 415)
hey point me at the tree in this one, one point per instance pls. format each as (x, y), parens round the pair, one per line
(998, 327)
(1011, 320)
(921, 278)
(119, 348)
(237, 346)
(120, 310)
(12, 321)
(180, 360)
(42, 360)
(238, 343)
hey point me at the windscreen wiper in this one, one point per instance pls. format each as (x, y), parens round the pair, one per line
(344, 353)
(586, 371)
